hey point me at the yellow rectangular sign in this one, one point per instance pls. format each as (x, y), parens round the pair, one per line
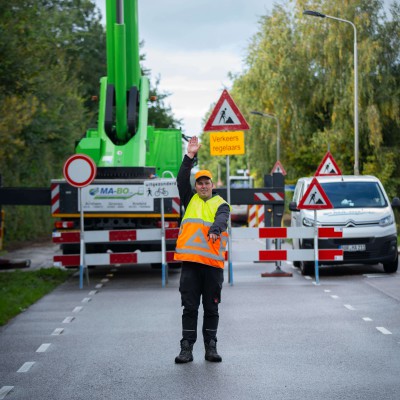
(226, 143)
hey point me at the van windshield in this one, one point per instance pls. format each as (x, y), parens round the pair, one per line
(354, 194)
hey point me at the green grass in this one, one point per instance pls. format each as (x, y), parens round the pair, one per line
(20, 289)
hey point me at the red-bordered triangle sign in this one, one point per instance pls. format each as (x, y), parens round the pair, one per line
(278, 168)
(328, 166)
(226, 116)
(314, 198)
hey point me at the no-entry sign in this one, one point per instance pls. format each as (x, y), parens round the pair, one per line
(79, 170)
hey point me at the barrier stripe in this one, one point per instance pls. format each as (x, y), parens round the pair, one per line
(55, 198)
(73, 260)
(285, 233)
(269, 196)
(176, 205)
(115, 236)
(287, 255)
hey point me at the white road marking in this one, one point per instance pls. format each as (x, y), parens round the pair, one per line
(57, 331)
(68, 320)
(26, 367)
(307, 277)
(109, 275)
(105, 280)
(99, 286)
(327, 291)
(383, 330)
(367, 319)
(349, 307)
(86, 300)
(375, 275)
(334, 296)
(4, 391)
(77, 309)
(42, 348)
(92, 292)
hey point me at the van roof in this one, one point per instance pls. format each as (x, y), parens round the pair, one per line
(344, 178)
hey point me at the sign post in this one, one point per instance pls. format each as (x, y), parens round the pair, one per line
(227, 124)
(315, 199)
(79, 171)
(162, 188)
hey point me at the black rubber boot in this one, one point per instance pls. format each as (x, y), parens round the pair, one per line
(186, 354)
(211, 352)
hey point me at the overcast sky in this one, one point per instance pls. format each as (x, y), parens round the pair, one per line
(193, 45)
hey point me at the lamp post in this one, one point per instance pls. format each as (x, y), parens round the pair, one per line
(356, 139)
(277, 130)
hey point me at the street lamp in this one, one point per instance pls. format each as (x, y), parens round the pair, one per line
(356, 140)
(277, 127)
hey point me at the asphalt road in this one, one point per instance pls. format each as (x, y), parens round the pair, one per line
(280, 338)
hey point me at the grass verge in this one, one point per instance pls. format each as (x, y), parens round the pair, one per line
(20, 289)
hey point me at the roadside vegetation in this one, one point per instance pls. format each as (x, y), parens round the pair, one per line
(21, 289)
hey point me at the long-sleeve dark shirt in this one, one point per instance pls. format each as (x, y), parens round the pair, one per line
(186, 193)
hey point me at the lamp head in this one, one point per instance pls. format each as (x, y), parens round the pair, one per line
(314, 13)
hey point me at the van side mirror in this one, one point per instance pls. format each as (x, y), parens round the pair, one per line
(396, 202)
(293, 206)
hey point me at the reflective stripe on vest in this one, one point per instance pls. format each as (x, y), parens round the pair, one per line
(193, 244)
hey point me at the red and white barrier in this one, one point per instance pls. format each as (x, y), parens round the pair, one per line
(285, 233)
(256, 216)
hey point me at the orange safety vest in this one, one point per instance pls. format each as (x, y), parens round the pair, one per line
(193, 244)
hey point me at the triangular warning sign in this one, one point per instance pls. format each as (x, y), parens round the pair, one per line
(226, 116)
(328, 166)
(278, 168)
(314, 198)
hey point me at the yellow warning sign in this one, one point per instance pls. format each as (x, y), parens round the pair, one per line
(226, 143)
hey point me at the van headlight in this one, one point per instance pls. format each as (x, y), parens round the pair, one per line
(386, 221)
(308, 222)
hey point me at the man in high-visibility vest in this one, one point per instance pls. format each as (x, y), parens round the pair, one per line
(201, 248)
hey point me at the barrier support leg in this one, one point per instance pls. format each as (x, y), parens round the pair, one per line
(278, 272)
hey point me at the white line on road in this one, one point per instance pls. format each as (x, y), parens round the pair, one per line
(99, 286)
(57, 331)
(77, 309)
(307, 277)
(109, 275)
(104, 280)
(327, 291)
(26, 366)
(367, 319)
(92, 292)
(349, 307)
(375, 275)
(334, 296)
(42, 348)
(383, 330)
(86, 300)
(68, 320)
(4, 391)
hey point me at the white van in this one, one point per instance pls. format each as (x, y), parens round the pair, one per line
(361, 205)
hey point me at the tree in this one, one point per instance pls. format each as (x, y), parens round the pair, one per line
(300, 69)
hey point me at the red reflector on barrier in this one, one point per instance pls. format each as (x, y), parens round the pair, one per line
(64, 224)
(67, 237)
(172, 233)
(123, 258)
(329, 232)
(273, 233)
(68, 260)
(122, 236)
(272, 255)
(330, 255)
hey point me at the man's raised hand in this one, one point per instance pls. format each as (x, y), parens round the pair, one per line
(193, 146)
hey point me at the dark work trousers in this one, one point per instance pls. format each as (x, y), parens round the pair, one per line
(199, 280)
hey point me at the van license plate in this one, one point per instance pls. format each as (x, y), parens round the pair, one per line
(353, 247)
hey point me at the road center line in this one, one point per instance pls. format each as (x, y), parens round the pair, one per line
(349, 307)
(26, 366)
(42, 348)
(57, 331)
(77, 309)
(4, 391)
(334, 296)
(383, 330)
(367, 319)
(68, 320)
(92, 292)
(86, 300)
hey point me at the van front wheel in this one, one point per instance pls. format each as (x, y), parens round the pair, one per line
(391, 267)
(307, 268)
